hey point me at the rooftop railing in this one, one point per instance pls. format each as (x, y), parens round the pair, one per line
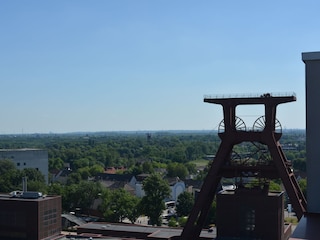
(249, 95)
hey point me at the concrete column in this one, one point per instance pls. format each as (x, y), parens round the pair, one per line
(312, 71)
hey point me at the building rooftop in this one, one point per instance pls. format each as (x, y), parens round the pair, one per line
(21, 149)
(308, 227)
(310, 56)
(138, 232)
(8, 197)
(249, 95)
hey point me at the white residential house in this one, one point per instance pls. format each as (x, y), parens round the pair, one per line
(177, 187)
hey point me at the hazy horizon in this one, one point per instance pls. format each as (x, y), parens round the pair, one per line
(131, 132)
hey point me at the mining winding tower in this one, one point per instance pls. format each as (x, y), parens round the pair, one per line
(267, 162)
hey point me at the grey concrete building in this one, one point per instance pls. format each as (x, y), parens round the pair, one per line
(27, 158)
(312, 71)
(308, 227)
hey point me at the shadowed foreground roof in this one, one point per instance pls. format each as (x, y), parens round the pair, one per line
(308, 228)
(136, 231)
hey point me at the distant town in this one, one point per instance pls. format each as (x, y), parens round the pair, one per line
(147, 178)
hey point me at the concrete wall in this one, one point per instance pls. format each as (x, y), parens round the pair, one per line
(312, 71)
(28, 158)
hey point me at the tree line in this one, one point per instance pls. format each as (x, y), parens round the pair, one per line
(89, 154)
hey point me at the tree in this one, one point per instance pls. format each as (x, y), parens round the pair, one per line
(134, 210)
(56, 189)
(70, 198)
(36, 180)
(184, 204)
(172, 222)
(84, 172)
(300, 164)
(81, 195)
(121, 205)
(192, 167)
(152, 203)
(10, 176)
(147, 167)
(95, 169)
(177, 170)
(33, 175)
(135, 170)
(55, 164)
(274, 186)
(177, 154)
(183, 221)
(80, 163)
(5, 166)
(74, 178)
(87, 193)
(303, 186)
(211, 218)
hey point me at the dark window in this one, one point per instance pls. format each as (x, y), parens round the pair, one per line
(248, 220)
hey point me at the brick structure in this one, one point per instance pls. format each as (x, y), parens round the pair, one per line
(250, 214)
(31, 219)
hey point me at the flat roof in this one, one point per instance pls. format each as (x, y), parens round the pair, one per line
(310, 56)
(7, 197)
(20, 149)
(241, 99)
(307, 228)
(249, 95)
(246, 191)
(152, 232)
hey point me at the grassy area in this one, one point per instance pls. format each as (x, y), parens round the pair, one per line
(292, 220)
(200, 162)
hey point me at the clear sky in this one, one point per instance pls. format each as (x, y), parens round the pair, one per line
(73, 65)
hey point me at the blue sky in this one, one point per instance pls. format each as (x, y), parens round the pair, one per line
(73, 65)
